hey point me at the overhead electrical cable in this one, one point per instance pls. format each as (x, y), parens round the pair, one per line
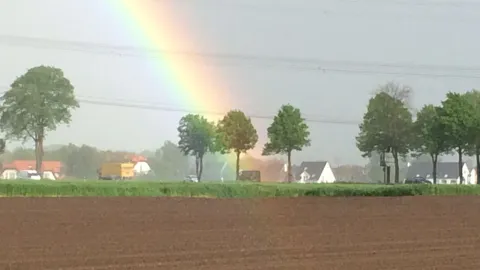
(305, 64)
(155, 107)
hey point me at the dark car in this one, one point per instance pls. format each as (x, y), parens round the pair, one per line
(253, 176)
(417, 180)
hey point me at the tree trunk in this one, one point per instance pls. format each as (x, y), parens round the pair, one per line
(39, 155)
(238, 165)
(197, 167)
(289, 166)
(477, 155)
(434, 167)
(460, 165)
(200, 171)
(397, 167)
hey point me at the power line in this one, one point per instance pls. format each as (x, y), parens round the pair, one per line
(124, 103)
(436, 3)
(306, 64)
(321, 11)
(128, 50)
(173, 109)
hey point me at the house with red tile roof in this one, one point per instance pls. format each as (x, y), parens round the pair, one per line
(50, 169)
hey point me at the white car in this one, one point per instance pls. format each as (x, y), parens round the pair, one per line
(29, 174)
(191, 178)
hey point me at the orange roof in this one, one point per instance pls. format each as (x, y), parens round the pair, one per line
(137, 158)
(19, 165)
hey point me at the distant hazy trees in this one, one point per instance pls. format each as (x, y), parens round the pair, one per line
(388, 126)
(38, 102)
(169, 163)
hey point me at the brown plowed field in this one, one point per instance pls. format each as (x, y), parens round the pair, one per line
(288, 233)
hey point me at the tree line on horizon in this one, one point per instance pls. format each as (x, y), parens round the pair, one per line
(168, 163)
(43, 98)
(390, 125)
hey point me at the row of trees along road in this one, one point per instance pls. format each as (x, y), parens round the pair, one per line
(43, 98)
(38, 102)
(390, 125)
(236, 133)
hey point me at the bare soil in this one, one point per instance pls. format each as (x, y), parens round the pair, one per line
(234, 234)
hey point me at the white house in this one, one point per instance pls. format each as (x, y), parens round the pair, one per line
(141, 168)
(473, 177)
(447, 172)
(315, 172)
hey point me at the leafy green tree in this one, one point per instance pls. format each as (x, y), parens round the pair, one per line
(458, 120)
(197, 137)
(288, 132)
(429, 135)
(473, 148)
(237, 134)
(38, 102)
(387, 124)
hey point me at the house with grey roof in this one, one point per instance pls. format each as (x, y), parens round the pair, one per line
(447, 172)
(314, 172)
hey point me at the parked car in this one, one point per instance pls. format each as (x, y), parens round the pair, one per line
(29, 175)
(417, 180)
(253, 176)
(191, 178)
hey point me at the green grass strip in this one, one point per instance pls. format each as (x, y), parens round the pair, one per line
(219, 190)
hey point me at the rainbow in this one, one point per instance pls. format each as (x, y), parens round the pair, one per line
(155, 25)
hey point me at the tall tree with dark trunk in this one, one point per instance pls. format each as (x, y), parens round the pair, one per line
(237, 134)
(38, 102)
(458, 120)
(429, 135)
(287, 133)
(387, 124)
(197, 137)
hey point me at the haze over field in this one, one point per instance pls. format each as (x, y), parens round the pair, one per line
(348, 49)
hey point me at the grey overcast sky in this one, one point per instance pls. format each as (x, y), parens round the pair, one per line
(342, 37)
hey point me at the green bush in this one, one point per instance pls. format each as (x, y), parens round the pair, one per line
(221, 190)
